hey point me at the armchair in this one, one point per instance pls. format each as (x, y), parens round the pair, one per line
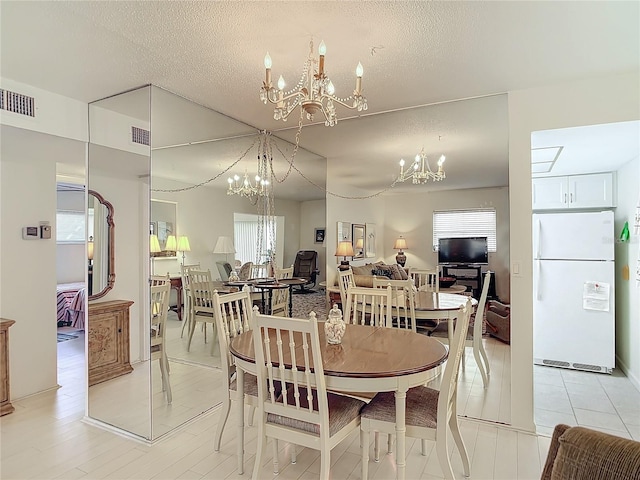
(305, 267)
(499, 321)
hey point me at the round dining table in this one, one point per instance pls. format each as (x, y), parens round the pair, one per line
(440, 306)
(369, 359)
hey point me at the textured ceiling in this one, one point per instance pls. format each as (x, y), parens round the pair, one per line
(413, 53)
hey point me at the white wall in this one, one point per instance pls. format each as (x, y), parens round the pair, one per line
(627, 292)
(352, 210)
(586, 102)
(313, 214)
(28, 267)
(411, 216)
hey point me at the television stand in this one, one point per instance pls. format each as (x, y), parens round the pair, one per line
(469, 275)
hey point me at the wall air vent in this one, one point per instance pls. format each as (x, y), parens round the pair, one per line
(140, 136)
(17, 103)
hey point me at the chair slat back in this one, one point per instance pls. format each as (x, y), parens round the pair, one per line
(479, 315)
(232, 312)
(201, 291)
(368, 306)
(345, 280)
(159, 306)
(403, 303)
(425, 279)
(245, 271)
(448, 385)
(280, 298)
(287, 351)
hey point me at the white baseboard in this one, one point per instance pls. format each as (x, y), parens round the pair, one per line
(632, 378)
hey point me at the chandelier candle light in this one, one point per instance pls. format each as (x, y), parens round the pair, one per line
(421, 171)
(314, 91)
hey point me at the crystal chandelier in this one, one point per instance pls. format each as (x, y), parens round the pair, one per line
(245, 187)
(314, 91)
(420, 171)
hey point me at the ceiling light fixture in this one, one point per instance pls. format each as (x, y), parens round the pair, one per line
(314, 91)
(420, 171)
(246, 188)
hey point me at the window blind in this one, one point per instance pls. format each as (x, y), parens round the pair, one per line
(465, 223)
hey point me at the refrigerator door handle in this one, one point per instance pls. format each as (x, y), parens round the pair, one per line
(538, 279)
(538, 239)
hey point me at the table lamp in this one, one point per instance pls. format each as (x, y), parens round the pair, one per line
(224, 245)
(183, 246)
(400, 244)
(360, 246)
(90, 268)
(154, 247)
(345, 249)
(171, 245)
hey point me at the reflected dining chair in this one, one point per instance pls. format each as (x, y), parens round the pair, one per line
(202, 309)
(345, 280)
(245, 271)
(158, 309)
(186, 311)
(403, 304)
(369, 306)
(425, 279)
(473, 337)
(232, 313)
(305, 413)
(430, 414)
(280, 298)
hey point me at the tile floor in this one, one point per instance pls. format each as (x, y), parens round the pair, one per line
(610, 403)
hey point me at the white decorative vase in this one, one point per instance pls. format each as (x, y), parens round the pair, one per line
(334, 327)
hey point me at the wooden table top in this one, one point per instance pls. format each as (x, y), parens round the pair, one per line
(365, 352)
(441, 301)
(293, 281)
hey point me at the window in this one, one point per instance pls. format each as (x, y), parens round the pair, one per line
(70, 226)
(465, 223)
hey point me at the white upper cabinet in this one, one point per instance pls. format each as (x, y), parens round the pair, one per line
(574, 191)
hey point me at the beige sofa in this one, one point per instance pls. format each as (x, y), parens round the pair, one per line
(363, 275)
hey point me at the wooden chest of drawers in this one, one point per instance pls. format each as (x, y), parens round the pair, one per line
(108, 331)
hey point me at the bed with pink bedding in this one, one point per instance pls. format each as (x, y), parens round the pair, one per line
(70, 304)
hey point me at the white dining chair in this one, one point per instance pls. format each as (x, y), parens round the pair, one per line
(425, 279)
(403, 310)
(473, 337)
(345, 280)
(280, 297)
(186, 311)
(232, 313)
(158, 309)
(368, 306)
(430, 414)
(287, 352)
(202, 309)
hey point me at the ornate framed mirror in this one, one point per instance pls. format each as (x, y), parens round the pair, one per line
(100, 246)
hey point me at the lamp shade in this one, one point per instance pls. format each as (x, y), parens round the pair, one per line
(90, 248)
(360, 243)
(224, 245)
(183, 244)
(154, 244)
(401, 244)
(171, 244)
(345, 249)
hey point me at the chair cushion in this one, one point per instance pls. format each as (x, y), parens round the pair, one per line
(421, 407)
(586, 453)
(342, 410)
(250, 384)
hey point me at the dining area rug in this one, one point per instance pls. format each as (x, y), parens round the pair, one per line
(314, 301)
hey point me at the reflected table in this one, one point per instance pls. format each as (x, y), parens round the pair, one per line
(292, 282)
(270, 287)
(369, 359)
(440, 306)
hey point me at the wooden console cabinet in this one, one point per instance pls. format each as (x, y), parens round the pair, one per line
(108, 340)
(5, 390)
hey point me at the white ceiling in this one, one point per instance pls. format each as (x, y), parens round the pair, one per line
(425, 53)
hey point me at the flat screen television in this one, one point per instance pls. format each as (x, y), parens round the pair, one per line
(463, 251)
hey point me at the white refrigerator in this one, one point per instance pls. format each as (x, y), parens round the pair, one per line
(573, 282)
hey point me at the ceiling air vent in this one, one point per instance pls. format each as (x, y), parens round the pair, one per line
(140, 136)
(17, 103)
